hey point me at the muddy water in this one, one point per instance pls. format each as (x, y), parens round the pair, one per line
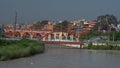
(56, 57)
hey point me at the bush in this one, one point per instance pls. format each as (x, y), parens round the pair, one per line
(101, 47)
(89, 45)
(14, 49)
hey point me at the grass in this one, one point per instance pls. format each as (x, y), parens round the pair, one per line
(102, 47)
(11, 49)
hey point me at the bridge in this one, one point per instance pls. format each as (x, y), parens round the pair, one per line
(48, 37)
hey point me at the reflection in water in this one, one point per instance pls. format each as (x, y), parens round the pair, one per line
(55, 57)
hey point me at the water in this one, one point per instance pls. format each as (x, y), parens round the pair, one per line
(55, 57)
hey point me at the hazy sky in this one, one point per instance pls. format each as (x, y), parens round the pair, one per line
(34, 10)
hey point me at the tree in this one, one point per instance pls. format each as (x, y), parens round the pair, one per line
(39, 25)
(115, 36)
(44, 22)
(62, 26)
(106, 20)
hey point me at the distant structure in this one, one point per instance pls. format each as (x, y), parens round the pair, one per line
(1, 29)
(14, 25)
(49, 26)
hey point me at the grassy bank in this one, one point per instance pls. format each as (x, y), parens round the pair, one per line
(102, 47)
(11, 49)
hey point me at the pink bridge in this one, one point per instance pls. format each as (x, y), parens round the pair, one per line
(48, 37)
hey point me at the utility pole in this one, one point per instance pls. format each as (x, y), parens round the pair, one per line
(78, 29)
(1, 29)
(14, 25)
(2, 33)
(113, 37)
(108, 28)
(99, 28)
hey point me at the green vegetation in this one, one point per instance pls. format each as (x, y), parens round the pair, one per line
(102, 47)
(104, 21)
(39, 25)
(0, 35)
(61, 26)
(93, 34)
(115, 35)
(11, 49)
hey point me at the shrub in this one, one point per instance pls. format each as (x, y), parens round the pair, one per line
(107, 47)
(14, 49)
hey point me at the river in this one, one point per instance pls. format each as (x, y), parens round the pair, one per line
(56, 57)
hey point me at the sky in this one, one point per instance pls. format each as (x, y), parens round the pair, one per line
(30, 11)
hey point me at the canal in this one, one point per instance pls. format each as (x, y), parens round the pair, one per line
(56, 57)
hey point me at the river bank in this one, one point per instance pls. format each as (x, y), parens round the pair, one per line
(56, 57)
(102, 47)
(11, 49)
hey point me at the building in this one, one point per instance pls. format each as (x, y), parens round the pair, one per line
(49, 26)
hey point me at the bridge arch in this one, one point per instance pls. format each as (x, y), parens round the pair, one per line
(47, 36)
(26, 35)
(64, 36)
(17, 34)
(71, 36)
(52, 36)
(37, 35)
(9, 33)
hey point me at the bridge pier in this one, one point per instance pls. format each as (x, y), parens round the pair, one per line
(55, 36)
(60, 36)
(49, 37)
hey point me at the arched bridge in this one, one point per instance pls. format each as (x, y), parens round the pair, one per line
(43, 35)
(49, 37)
(26, 33)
